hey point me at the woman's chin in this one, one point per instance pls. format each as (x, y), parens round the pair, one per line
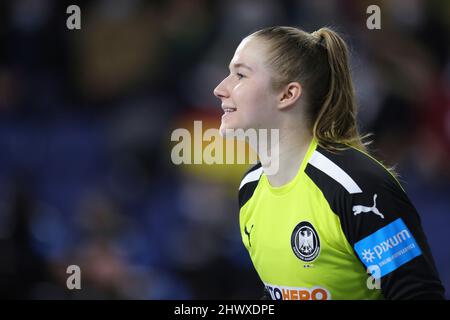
(232, 127)
(226, 131)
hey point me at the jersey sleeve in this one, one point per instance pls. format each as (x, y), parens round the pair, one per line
(385, 231)
(379, 222)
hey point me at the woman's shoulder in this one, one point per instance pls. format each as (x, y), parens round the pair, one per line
(249, 182)
(351, 168)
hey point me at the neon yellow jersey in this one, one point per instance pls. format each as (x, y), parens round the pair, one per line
(321, 235)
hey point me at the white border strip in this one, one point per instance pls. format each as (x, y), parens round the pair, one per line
(327, 166)
(252, 176)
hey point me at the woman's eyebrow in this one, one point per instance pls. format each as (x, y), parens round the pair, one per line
(237, 65)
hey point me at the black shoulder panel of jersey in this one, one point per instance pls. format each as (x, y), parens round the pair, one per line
(380, 203)
(366, 173)
(247, 190)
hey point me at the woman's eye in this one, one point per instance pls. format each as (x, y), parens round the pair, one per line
(240, 76)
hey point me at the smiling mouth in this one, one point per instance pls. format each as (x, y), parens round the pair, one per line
(229, 110)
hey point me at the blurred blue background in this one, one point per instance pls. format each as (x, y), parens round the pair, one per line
(86, 117)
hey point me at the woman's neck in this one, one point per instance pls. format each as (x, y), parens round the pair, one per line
(288, 154)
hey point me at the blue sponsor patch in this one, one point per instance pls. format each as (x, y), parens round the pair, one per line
(389, 248)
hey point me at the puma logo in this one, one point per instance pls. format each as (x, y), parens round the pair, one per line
(248, 234)
(362, 209)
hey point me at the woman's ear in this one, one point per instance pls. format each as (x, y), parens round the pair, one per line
(289, 95)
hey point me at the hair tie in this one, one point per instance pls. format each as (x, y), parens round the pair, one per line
(319, 38)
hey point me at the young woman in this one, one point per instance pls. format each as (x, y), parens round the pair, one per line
(332, 222)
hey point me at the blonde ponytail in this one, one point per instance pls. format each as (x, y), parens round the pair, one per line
(336, 118)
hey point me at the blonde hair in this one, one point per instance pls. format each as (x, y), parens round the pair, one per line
(319, 62)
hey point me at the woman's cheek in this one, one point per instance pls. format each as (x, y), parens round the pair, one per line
(238, 90)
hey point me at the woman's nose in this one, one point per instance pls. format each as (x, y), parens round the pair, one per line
(220, 91)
